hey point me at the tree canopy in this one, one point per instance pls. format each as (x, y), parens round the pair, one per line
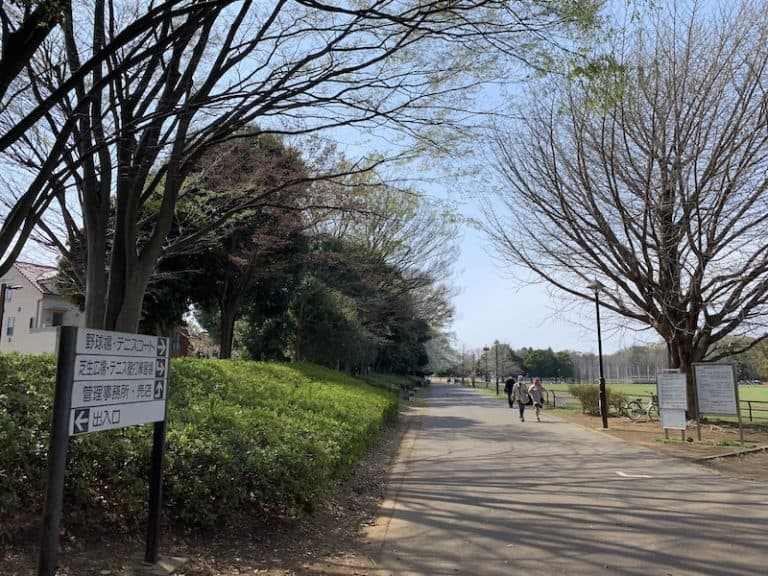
(120, 101)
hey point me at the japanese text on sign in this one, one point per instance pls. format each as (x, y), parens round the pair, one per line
(88, 393)
(99, 367)
(101, 418)
(120, 343)
(716, 389)
(672, 390)
(118, 367)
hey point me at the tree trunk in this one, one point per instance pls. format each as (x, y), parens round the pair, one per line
(95, 281)
(681, 356)
(227, 326)
(299, 330)
(229, 304)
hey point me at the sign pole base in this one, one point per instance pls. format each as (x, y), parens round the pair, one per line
(163, 566)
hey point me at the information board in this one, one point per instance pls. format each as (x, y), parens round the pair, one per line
(672, 390)
(673, 419)
(119, 379)
(716, 389)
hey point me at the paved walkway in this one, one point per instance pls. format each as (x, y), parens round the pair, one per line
(477, 492)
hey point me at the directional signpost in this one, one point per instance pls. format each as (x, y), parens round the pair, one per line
(118, 380)
(104, 380)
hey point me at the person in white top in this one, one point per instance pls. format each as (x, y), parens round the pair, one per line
(520, 395)
(536, 393)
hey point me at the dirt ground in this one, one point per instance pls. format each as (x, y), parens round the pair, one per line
(332, 542)
(719, 447)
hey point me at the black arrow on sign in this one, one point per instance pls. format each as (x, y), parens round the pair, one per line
(159, 386)
(162, 346)
(82, 417)
(160, 369)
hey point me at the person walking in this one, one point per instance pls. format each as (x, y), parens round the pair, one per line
(508, 385)
(536, 393)
(520, 395)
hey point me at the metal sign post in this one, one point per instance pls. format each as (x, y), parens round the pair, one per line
(57, 453)
(155, 492)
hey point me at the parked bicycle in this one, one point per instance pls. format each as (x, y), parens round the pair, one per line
(634, 409)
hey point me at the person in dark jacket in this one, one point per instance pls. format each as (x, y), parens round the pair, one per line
(508, 384)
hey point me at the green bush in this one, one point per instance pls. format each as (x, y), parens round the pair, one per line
(589, 396)
(393, 381)
(243, 437)
(26, 398)
(616, 399)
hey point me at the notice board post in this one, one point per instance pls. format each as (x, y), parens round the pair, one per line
(717, 392)
(673, 400)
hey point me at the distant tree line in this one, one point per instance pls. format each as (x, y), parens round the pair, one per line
(500, 360)
(636, 364)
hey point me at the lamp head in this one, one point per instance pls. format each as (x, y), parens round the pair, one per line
(596, 286)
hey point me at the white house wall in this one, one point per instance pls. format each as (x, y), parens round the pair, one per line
(32, 311)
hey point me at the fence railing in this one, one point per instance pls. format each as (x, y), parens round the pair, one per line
(760, 406)
(752, 409)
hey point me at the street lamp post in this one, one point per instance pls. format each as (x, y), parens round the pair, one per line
(3, 292)
(487, 376)
(596, 286)
(496, 358)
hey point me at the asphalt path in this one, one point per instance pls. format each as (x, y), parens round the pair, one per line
(477, 492)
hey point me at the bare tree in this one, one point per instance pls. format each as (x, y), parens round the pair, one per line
(654, 182)
(25, 25)
(31, 37)
(130, 128)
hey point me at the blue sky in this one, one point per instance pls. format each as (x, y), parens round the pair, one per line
(491, 305)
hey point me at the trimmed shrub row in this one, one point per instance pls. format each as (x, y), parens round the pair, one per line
(243, 438)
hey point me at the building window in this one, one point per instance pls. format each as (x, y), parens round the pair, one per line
(32, 323)
(57, 318)
(11, 325)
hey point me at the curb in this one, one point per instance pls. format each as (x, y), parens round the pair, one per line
(731, 454)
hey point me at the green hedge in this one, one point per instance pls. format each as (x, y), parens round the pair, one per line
(243, 438)
(589, 396)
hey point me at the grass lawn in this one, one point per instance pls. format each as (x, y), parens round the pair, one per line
(755, 394)
(748, 392)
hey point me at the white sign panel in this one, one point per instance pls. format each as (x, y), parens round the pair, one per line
(120, 343)
(119, 379)
(100, 418)
(716, 389)
(85, 393)
(674, 419)
(107, 368)
(672, 391)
